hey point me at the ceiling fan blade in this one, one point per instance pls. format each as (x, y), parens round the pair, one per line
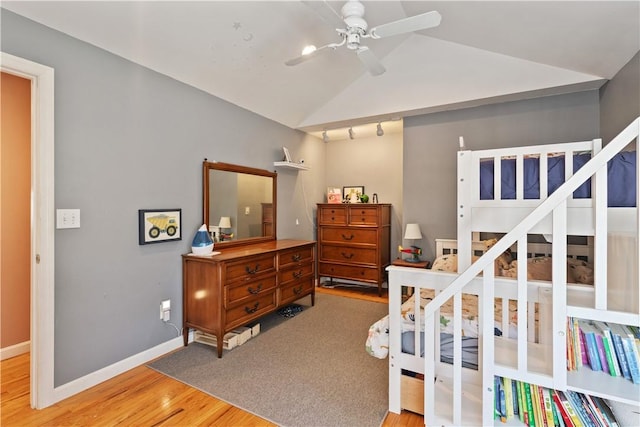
(303, 58)
(407, 25)
(370, 61)
(326, 12)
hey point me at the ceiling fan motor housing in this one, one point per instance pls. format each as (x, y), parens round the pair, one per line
(352, 14)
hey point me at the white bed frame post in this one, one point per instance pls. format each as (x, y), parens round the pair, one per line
(464, 209)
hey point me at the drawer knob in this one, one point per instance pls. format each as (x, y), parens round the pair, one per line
(297, 290)
(297, 274)
(348, 237)
(346, 255)
(253, 309)
(250, 271)
(296, 257)
(254, 291)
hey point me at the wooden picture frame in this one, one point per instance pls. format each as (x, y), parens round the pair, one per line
(347, 193)
(159, 225)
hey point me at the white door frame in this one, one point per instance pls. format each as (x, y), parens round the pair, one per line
(42, 225)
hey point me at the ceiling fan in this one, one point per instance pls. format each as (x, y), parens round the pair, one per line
(352, 15)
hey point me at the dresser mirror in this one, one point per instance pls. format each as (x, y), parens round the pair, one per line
(239, 203)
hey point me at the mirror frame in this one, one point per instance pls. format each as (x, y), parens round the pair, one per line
(208, 166)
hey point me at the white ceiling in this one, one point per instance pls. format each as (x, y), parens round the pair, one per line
(482, 52)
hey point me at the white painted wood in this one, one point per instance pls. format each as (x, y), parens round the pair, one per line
(520, 359)
(42, 392)
(15, 350)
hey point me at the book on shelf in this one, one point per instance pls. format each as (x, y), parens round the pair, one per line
(544, 407)
(617, 332)
(632, 354)
(612, 358)
(589, 332)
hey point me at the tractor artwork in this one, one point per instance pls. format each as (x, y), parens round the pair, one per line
(162, 224)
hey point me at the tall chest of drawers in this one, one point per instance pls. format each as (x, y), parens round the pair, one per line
(354, 241)
(236, 287)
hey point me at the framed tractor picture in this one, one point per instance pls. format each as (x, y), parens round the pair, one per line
(159, 225)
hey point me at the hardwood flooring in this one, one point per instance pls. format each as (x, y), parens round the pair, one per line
(142, 397)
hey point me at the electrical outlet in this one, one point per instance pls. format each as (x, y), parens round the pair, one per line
(165, 310)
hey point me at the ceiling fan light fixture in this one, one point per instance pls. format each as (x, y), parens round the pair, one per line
(379, 131)
(352, 134)
(309, 49)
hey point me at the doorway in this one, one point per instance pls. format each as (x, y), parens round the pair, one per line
(41, 254)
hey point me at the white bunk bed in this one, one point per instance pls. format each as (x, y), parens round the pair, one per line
(448, 388)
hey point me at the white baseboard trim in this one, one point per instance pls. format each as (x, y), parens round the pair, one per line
(108, 372)
(15, 350)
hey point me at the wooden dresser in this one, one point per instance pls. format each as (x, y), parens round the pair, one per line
(241, 284)
(354, 241)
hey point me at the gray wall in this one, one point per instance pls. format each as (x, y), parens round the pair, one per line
(431, 143)
(620, 100)
(127, 138)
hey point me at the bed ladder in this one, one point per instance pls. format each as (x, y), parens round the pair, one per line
(556, 206)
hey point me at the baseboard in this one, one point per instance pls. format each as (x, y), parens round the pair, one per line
(108, 372)
(15, 350)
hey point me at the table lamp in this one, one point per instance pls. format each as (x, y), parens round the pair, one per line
(412, 232)
(225, 223)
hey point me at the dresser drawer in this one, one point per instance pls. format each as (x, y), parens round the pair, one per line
(244, 290)
(250, 309)
(333, 215)
(348, 235)
(363, 215)
(249, 268)
(296, 273)
(355, 255)
(296, 256)
(295, 290)
(365, 274)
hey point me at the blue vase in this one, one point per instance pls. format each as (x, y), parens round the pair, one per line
(202, 243)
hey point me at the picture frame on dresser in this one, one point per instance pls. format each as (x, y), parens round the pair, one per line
(348, 193)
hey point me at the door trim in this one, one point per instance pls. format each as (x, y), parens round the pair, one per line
(42, 224)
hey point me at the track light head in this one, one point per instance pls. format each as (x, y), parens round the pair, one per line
(379, 132)
(352, 134)
(325, 137)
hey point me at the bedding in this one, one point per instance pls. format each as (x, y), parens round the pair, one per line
(621, 178)
(377, 343)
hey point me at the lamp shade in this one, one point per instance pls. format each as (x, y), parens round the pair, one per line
(225, 222)
(412, 232)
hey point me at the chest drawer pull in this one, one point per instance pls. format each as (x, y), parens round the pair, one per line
(347, 256)
(253, 309)
(348, 237)
(254, 291)
(250, 271)
(296, 257)
(298, 274)
(297, 291)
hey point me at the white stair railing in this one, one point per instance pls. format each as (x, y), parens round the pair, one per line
(556, 205)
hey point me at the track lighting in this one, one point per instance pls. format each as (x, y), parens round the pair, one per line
(325, 137)
(352, 134)
(379, 132)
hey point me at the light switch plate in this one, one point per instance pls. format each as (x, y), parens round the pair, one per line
(68, 218)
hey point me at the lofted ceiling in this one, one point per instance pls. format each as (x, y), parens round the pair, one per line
(482, 52)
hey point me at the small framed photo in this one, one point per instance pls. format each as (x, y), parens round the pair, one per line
(287, 156)
(334, 195)
(159, 225)
(352, 193)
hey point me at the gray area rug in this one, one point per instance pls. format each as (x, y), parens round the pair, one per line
(307, 370)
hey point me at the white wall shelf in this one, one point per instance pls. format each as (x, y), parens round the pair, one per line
(291, 165)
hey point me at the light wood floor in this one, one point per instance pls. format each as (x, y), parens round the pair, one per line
(141, 397)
